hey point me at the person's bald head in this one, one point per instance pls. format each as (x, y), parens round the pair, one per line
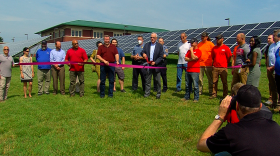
(6, 50)
(240, 38)
(183, 37)
(57, 45)
(75, 44)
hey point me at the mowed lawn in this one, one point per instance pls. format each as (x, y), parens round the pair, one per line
(127, 124)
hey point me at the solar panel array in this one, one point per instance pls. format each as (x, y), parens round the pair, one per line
(17, 47)
(172, 38)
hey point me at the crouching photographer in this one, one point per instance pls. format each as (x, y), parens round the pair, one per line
(254, 134)
(232, 115)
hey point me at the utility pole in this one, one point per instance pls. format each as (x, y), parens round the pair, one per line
(228, 19)
(26, 35)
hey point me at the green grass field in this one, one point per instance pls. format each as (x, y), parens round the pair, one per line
(128, 124)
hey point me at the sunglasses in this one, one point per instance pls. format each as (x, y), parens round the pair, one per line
(27, 51)
(153, 37)
(6, 49)
(76, 43)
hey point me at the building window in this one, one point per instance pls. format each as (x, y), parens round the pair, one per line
(97, 34)
(117, 34)
(61, 33)
(77, 33)
(56, 35)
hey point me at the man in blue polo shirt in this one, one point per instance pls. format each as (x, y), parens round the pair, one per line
(137, 59)
(119, 70)
(44, 72)
(163, 64)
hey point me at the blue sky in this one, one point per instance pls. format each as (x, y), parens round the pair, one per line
(18, 17)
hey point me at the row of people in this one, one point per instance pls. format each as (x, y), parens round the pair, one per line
(211, 56)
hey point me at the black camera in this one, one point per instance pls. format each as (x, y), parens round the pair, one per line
(232, 105)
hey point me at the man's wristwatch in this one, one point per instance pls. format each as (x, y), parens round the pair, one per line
(217, 117)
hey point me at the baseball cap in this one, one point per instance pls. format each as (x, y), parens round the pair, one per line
(44, 42)
(193, 40)
(204, 34)
(249, 96)
(219, 36)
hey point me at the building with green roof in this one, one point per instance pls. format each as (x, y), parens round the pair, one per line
(81, 30)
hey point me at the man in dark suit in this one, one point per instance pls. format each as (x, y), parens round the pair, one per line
(153, 52)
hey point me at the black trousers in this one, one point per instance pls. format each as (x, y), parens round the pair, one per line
(163, 76)
(136, 72)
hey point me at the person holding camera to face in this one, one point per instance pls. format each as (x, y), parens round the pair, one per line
(252, 135)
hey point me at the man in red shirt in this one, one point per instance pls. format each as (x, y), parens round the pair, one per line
(107, 53)
(192, 75)
(76, 54)
(221, 56)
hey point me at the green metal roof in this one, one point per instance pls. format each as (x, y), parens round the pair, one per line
(104, 25)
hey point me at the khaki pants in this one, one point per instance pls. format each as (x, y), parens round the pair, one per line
(58, 74)
(239, 76)
(208, 71)
(73, 76)
(4, 87)
(222, 72)
(44, 74)
(272, 87)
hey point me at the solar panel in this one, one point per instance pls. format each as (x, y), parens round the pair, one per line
(17, 47)
(241, 31)
(214, 34)
(172, 49)
(263, 39)
(269, 31)
(264, 25)
(235, 27)
(276, 24)
(198, 31)
(221, 29)
(190, 31)
(172, 43)
(248, 26)
(255, 32)
(172, 38)
(212, 29)
(230, 41)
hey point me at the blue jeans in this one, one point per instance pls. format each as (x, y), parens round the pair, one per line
(192, 78)
(104, 70)
(179, 74)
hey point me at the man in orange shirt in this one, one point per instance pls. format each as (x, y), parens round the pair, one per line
(221, 56)
(206, 46)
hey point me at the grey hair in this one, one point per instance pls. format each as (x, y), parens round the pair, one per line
(246, 110)
(154, 33)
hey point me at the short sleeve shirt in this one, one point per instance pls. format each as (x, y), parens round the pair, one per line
(108, 53)
(6, 63)
(138, 49)
(242, 54)
(277, 62)
(121, 54)
(165, 50)
(271, 53)
(43, 56)
(194, 66)
(78, 55)
(183, 48)
(220, 55)
(206, 50)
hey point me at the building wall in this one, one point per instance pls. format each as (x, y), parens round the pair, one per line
(87, 33)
